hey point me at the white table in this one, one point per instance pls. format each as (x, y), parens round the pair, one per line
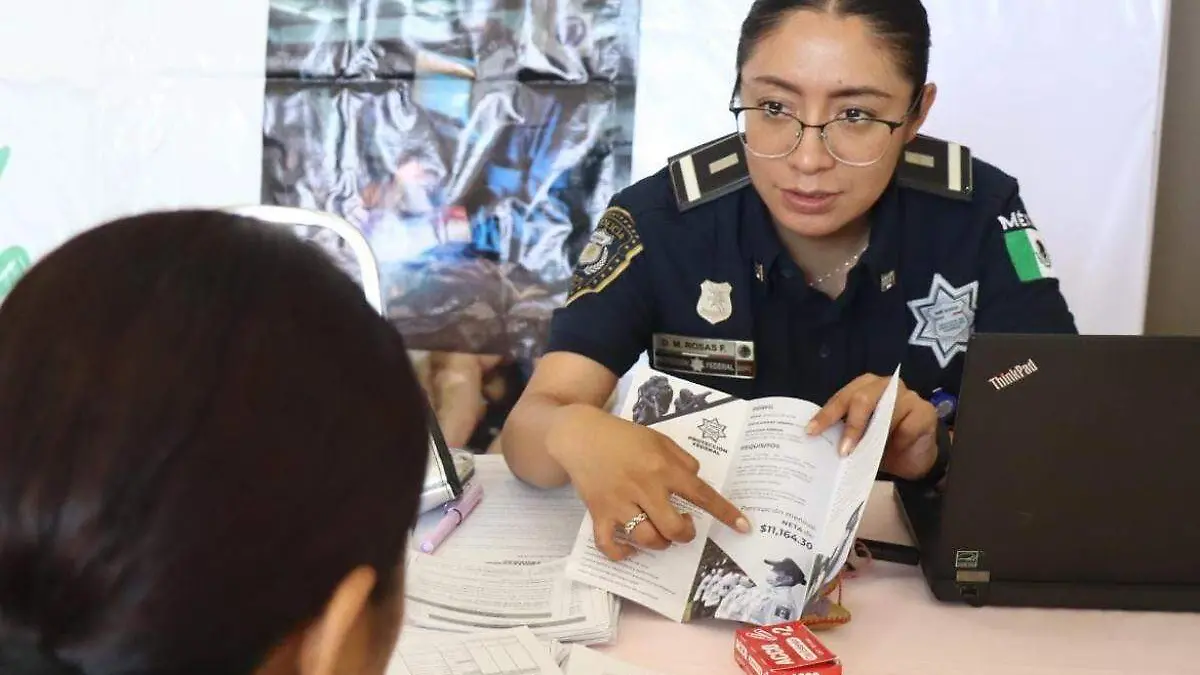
(898, 628)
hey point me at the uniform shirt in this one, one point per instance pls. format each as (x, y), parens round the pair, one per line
(713, 296)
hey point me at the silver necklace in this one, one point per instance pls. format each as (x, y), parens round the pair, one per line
(840, 268)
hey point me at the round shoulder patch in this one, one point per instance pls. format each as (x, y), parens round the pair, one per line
(613, 245)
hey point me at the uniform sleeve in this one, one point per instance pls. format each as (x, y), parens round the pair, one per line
(609, 309)
(1018, 289)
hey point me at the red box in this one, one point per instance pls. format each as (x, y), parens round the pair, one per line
(783, 649)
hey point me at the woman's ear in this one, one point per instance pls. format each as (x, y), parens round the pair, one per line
(928, 95)
(335, 643)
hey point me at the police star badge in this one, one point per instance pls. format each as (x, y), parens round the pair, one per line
(716, 303)
(945, 318)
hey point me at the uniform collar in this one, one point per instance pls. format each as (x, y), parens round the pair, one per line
(760, 241)
(883, 251)
(763, 247)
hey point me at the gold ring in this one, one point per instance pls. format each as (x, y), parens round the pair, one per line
(634, 522)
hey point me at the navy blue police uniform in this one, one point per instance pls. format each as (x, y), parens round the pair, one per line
(686, 265)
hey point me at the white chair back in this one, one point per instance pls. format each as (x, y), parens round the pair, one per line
(444, 475)
(368, 267)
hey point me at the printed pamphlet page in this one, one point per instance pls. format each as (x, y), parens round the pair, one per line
(804, 502)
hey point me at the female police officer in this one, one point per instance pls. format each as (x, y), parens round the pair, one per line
(819, 246)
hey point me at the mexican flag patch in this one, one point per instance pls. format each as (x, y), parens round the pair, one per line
(1028, 254)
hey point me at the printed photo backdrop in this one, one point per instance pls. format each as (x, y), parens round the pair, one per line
(475, 143)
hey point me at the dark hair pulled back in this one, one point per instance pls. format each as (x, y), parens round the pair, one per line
(902, 24)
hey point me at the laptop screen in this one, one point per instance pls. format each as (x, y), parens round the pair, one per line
(1074, 458)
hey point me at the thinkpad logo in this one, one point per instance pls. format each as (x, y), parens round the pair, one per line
(1013, 375)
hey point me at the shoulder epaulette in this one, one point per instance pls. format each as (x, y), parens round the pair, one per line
(933, 165)
(708, 171)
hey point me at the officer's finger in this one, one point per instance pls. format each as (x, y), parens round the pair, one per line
(646, 535)
(604, 531)
(858, 413)
(669, 523)
(696, 491)
(914, 417)
(836, 407)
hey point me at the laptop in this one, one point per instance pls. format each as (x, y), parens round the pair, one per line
(1074, 477)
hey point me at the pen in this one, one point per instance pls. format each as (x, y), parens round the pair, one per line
(456, 511)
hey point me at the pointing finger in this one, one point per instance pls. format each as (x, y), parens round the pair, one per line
(695, 490)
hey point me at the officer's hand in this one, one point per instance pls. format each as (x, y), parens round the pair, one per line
(912, 441)
(621, 469)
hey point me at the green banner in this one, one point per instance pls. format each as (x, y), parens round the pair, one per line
(14, 260)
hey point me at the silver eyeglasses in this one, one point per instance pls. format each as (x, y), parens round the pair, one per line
(771, 132)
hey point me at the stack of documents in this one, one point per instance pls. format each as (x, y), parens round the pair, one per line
(505, 566)
(514, 523)
(583, 661)
(515, 651)
(511, 651)
(457, 595)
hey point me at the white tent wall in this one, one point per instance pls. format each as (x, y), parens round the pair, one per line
(119, 106)
(1066, 95)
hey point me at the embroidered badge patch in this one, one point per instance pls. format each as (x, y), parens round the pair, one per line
(945, 318)
(1026, 250)
(613, 245)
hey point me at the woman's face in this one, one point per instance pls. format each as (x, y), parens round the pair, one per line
(817, 66)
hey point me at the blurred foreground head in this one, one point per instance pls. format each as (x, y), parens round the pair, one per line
(211, 450)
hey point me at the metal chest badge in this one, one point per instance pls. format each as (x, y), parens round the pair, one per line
(716, 302)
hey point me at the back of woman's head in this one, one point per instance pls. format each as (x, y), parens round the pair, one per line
(902, 24)
(204, 428)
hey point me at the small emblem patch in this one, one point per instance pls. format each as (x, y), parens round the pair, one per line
(886, 281)
(613, 245)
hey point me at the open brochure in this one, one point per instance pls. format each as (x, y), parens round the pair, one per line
(804, 502)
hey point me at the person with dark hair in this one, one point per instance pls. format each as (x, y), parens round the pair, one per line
(211, 452)
(818, 245)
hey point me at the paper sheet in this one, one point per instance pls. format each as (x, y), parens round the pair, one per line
(584, 661)
(466, 596)
(514, 651)
(545, 529)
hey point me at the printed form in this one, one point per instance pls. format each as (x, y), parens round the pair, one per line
(514, 651)
(584, 661)
(544, 530)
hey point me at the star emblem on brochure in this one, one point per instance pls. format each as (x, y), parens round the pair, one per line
(945, 318)
(712, 430)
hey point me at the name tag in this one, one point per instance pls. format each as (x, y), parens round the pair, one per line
(703, 356)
